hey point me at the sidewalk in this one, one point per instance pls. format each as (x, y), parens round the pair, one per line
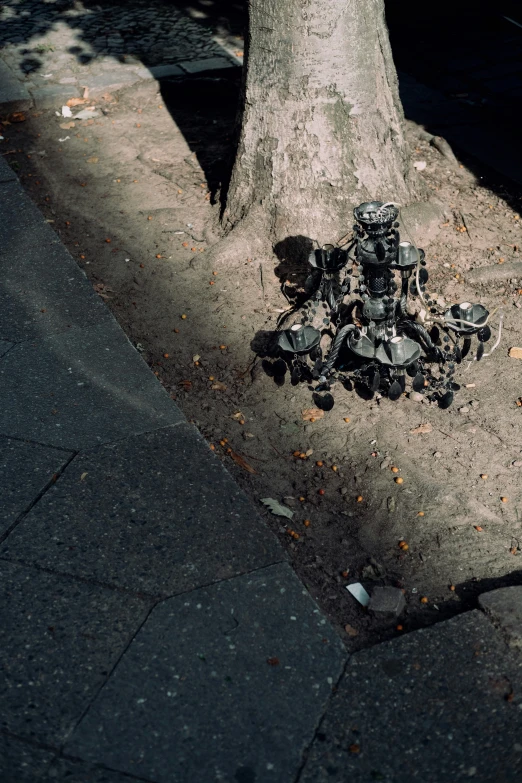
(127, 549)
(151, 627)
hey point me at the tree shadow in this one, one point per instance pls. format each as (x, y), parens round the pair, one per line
(460, 76)
(461, 79)
(121, 29)
(204, 107)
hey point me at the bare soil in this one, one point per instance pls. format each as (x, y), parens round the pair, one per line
(133, 195)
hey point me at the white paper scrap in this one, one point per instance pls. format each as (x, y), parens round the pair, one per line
(359, 593)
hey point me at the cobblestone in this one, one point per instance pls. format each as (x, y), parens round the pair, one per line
(60, 44)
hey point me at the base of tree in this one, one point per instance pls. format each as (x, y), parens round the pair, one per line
(251, 240)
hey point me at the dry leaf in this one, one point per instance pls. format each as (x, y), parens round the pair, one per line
(196, 357)
(187, 385)
(351, 631)
(423, 429)
(237, 416)
(239, 460)
(515, 353)
(17, 116)
(218, 386)
(83, 476)
(75, 101)
(92, 159)
(312, 413)
(478, 528)
(102, 290)
(277, 508)
(67, 125)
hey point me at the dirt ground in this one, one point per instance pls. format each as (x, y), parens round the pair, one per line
(132, 193)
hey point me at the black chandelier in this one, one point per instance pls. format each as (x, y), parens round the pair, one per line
(376, 342)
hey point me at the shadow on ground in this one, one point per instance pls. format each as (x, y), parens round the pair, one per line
(145, 191)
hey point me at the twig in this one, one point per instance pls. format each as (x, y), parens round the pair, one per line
(262, 281)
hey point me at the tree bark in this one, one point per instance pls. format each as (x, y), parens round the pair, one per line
(322, 122)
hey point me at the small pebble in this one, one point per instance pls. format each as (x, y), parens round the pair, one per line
(464, 409)
(517, 463)
(416, 396)
(437, 454)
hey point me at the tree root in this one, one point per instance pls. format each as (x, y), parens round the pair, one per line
(248, 242)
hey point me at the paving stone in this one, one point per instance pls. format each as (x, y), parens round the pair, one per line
(25, 470)
(42, 289)
(482, 141)
(162, 71)
(21, 762)
(504, 606)
(59, 639)
(6, 172)
(13, 94)
(4, 347)
(209, 64)
(53, 96)
(165, 514)
(225, 683)
(79, 389)
(19, 212)
(430, 107)
(64, 771)
(111, 81)
(505, 83)
(387, 601)
(431, 706)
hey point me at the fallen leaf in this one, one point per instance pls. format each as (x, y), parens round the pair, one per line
(103, 290)
(76, 101)
(187, 385)
(351, 631)
(92, 159)
(515, 353)
(312, 413)
(277, 508)
(17, 116)
(236, 416)
(83, 476)
(218, 386)
(196, 357)
(67, 125)
(239, 460)
(478, 528)
(423, 429)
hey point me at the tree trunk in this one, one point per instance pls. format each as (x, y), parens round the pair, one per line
(322, 121)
